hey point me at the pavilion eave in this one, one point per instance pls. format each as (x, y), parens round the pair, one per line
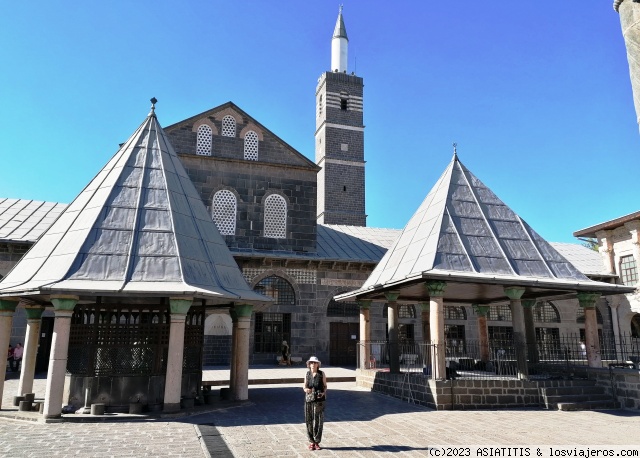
(463, 288)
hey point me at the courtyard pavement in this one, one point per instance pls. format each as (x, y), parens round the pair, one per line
(358, 423)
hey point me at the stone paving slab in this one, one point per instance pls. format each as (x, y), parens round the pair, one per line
(358, 423)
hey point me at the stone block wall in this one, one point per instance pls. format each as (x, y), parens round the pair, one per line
(622, 384)
(216, 351)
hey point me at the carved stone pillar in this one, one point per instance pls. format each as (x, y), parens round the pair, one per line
(365, 334)
(392, 324)
(605, 240)
(436, 323)
(588, 302)
(7, 309)
(519, 338)
(483, 331)
(173, 380)
(30, 349)
(53, 399)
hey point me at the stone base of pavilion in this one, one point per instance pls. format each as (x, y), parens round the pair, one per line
(498, 392)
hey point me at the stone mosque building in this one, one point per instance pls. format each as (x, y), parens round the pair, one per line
(297, 230)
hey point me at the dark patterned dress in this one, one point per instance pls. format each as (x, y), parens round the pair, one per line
(314, 410)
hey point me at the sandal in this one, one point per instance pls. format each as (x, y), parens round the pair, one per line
(317, 447)
(312, 446)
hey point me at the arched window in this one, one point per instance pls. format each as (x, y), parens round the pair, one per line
(500, 312)
(343, 309)
(251, 146)
(228, 126)
(404, 311)
(277, 288)
(223, 211)
(580, 315)
(203, 143)
(454, 313)
(545, 312)
(275, 217)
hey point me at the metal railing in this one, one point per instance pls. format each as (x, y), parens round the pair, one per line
(473, 359)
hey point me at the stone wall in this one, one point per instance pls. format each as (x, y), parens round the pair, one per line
(488, 394)
(622, 384)
(216, 351)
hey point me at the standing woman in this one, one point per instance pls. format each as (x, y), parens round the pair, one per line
(315, 388)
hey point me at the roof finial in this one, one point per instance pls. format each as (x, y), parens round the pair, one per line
(153, 106)
(340, 10)
(455, 150)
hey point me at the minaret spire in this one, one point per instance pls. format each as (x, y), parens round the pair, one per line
(339, 44)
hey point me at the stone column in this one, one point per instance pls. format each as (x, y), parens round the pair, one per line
(392, 325)
(234, 349)
(53, 399)
(614, 303)
(436, 324)
(424, 316)
(587, 301)
(605, 240)
(630, 21)
(7, 309)
(530, 330)
(30, 349)
(483, 331)
(519, 338)
(179, 308)
(241, 388)
(365, 334)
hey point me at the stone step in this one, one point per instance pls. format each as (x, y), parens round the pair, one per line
(588, 405)
(576, 398)
(569, 390)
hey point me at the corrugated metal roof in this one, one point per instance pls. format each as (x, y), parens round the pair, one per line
(138, 227)
(26, 220)
(463, 227)
(354, 243)
(587, 261)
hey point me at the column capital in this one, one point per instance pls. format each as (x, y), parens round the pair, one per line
(33, 312)
(9, 304)
(392, 296)
(64, 302)
(529, 303)
(243, 310)
(364, 304)
(480, 309)
(435, 287)
(587, 299)
(514, 292)
(180, 305)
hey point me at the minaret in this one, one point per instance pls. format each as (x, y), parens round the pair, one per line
(340, 139)
(630, 19)
(339, 45)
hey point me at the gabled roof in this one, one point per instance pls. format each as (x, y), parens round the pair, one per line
(294, 157)
(607, 225)
(24, 220)
(138, 228)
(462, 231)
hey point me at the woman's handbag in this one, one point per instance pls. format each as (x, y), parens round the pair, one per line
(310, 397)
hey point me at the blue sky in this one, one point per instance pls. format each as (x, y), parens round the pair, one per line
(536, 94)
